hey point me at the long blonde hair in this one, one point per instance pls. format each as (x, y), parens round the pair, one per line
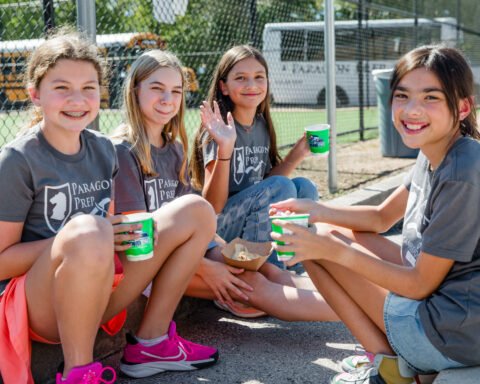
(226, 64)
(62, 44)
(134, 130)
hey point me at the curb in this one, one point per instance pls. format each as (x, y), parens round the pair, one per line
(373, 194)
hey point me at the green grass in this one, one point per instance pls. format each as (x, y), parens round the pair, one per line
(289, 124)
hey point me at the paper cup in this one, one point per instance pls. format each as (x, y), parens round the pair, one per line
(142, 248)
(301, 219)
(318, 137)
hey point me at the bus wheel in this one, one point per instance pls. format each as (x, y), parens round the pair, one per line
(342, 97)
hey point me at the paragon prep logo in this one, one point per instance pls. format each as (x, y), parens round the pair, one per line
(70, 199)
(58, 206)
(249, 161)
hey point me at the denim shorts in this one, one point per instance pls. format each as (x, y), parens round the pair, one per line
(408, 339)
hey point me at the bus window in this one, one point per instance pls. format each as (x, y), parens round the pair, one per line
(292, 45)
(315, 46)
(346, 42)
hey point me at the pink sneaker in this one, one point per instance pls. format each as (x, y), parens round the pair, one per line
(172, 354)
(86, 374)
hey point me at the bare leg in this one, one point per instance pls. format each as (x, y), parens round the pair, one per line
(283, 277)
(286, 302)
(357, 301)
(68, 287)
(185, 227)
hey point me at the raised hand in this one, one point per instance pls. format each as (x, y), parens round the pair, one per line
(223, 134)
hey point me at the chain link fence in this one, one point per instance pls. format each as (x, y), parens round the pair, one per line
(290, 33)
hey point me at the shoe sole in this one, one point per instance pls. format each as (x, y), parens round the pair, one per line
(148, 369)
(242, 315)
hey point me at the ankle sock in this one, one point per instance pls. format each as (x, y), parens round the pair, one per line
(150, 342)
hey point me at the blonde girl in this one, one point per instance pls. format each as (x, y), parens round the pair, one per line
(415, 309)
(235, 160)
(152, 177)
(57, 246)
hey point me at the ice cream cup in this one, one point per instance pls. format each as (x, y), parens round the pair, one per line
(318, 137)
(300, 219)
(142, 248)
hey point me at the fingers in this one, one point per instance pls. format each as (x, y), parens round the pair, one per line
(242, 284)
(281, 205)
(217, 113)
(208, 111)
(230, 120)
(116, 219)
(127, 227)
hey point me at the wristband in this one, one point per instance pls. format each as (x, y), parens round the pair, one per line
(224, 159)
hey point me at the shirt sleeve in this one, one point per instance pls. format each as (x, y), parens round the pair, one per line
(453, 230)
(128, 184)
(16, 186)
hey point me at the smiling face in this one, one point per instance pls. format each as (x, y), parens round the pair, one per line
(160, 97)
(421, 114)
(69, 95)
(246, 84)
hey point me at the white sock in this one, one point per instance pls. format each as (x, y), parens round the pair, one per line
(149, 343)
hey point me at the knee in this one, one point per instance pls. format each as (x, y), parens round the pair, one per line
(255, 279)
(281, 188)
(305, 188)
(271, 271)
(86, 241)
(199, 210)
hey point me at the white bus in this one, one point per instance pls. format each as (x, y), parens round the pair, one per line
(296, 62)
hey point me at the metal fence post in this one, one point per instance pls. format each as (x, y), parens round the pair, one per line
(331, 93)
(87, 25)
(360, 68)
(48, 15)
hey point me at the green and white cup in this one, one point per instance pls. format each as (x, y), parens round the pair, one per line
(142, 248)
(318, 137)
(300, 219)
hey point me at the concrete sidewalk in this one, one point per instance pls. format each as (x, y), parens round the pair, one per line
(260, 351)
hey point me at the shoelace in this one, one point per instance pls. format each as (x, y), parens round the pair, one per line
(183, 343)
(91, 378)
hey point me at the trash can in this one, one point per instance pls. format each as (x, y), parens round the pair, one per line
(391, 144)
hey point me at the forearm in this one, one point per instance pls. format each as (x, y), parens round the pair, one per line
(402, 280)
(358, 218)
(215, 190)
(17, 259)
(367, 218)
(289, 162)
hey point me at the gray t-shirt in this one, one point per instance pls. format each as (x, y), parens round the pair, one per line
(134, 191)
(250, 160)
(44, 188)
(443, 219)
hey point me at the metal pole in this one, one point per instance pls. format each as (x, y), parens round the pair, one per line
(48, 16)
(458, 21)
(360, 67)
(87, 25)
(415, 6)
(330, 93)
(253, 22)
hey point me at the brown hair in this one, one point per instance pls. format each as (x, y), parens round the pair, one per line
(227, 62)
(134, 131)
(63, 44)
(453, 73)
